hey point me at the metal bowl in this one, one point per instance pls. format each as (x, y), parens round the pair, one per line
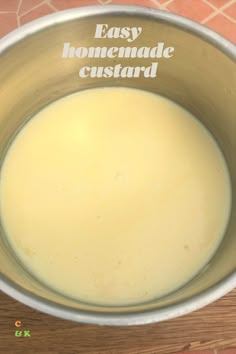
(200, 76)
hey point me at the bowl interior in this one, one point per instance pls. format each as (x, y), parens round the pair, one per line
(199, 76)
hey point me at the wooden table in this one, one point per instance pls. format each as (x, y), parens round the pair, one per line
(211, 327)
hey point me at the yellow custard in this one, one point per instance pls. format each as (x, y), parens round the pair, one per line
(114, 196)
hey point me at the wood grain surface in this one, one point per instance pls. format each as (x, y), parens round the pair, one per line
(211, 327)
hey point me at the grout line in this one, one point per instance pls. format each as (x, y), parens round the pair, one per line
(218, 11)
(229, 17)
(212, 15)
(33, 8)
(164, 6)
(19, 5)
(17, 12)
(156, 3)
(211, 5)
(230, 2)
(7, 12)
(102, 2)
(53, 7)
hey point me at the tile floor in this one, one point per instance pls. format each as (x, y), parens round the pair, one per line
(220, 15)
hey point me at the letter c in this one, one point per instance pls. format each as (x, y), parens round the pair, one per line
(82, 72)
(18, 323)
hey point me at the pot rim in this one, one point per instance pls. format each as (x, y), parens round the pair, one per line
(126, 318)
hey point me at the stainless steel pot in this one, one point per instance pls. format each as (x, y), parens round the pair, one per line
(200, 76)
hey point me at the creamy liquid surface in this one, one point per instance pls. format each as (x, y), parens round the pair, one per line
(114, 196)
